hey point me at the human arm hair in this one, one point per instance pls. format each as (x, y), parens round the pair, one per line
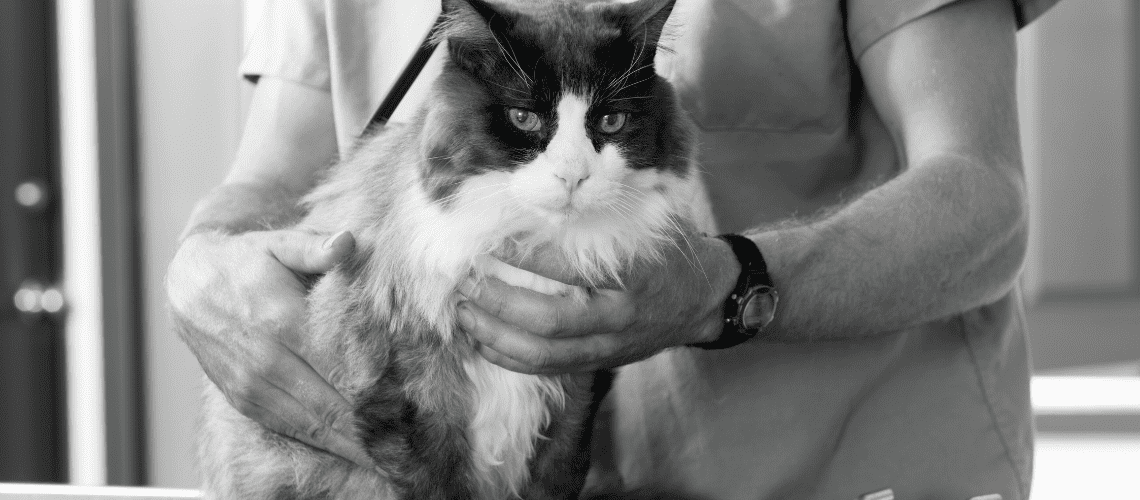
(949, 233)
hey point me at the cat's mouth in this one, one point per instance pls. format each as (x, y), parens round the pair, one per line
(565, 213)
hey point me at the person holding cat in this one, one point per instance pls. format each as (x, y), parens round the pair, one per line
(867, 151)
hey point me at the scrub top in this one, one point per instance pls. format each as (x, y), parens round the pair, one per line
(940, 411)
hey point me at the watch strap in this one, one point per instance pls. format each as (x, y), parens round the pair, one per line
(753, 273)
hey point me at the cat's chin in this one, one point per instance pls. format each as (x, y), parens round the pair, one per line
(560, 219)
(581, 244)
(567, 218)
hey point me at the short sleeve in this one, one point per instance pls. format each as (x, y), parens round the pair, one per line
(870, 20)
(289, 41)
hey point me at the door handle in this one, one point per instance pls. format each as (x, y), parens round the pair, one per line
(33, 297)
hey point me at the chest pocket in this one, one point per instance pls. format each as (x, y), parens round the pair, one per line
(761, 65)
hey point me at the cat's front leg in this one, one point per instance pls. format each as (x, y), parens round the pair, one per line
(561, 460)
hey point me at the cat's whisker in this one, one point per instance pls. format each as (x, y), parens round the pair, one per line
(615, 99)
(512, 61)
(628, 73)
(700, 266)
(474, 201)
(626, 207)
(626, 199)
(467, 204)
(622, 79)
(636, 58)
(646, 79)
(625, 196)
(510, 89)
(634, 189)
(458, 194)
(631, 192)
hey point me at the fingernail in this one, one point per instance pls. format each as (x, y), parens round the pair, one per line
(354, 452)
(333, 239)
(466, 286)
(463, 312)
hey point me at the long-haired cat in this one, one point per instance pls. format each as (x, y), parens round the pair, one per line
(547, 131)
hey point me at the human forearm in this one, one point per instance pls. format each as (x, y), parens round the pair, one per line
(943, 237)
(241, 207)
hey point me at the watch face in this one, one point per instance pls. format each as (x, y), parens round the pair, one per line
(759, 307)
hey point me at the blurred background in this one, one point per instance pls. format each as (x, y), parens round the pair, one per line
(116, 115)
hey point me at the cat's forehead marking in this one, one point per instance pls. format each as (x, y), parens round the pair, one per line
(572, 109)
(570, 140)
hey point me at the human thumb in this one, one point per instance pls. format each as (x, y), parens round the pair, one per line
(310, 253)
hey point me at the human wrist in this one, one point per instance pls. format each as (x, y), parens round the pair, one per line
(239, 207)
(722, 281)
(748, 302)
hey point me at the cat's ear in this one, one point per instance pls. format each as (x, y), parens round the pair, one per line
(473, 29)
(645, 20)
(474, 20)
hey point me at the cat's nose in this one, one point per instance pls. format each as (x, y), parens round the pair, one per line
(572, 180)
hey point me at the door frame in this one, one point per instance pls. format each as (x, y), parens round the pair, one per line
(101, 258)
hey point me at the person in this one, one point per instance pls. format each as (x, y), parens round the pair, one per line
(869, 149)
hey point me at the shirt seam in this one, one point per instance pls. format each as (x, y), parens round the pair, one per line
(988, 400)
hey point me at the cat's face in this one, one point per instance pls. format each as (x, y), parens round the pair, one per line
(559, 103)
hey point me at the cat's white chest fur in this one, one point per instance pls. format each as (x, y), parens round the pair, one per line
(510, 411)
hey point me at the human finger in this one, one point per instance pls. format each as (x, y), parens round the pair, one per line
(514, 276)
(537, 313)
(547, 261)
(309, 253)
(552, 368)
(532, 353)
(281, 412)
(300, 403)
(507, 362)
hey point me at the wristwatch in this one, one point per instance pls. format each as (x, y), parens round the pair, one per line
(752, 304)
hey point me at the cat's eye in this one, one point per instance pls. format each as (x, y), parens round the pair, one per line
(524, 120)
(612, 122)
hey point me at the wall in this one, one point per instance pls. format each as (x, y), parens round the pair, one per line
(1078, 82)
(1080, 78)
(189, 103)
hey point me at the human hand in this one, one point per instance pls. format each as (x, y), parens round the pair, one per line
(674, 303)
(239, 304)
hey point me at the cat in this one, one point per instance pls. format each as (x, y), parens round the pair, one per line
(548, 133)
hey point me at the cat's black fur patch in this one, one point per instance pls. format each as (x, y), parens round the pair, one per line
(423, 452)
